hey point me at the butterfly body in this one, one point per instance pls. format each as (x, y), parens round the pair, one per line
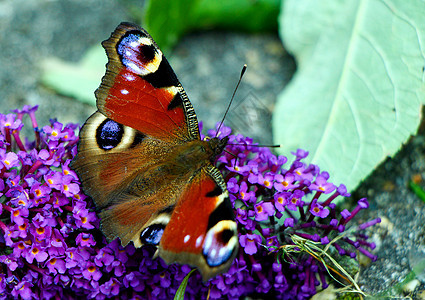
(141, 159)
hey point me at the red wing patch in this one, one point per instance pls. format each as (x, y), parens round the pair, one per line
(189, 222)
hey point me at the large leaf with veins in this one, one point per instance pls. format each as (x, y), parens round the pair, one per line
(357, 94)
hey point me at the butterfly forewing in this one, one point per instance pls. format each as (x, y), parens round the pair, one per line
(140, 79)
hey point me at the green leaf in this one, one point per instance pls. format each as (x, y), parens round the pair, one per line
(182, 288)
(417, 190)
(78, 80)
(357, 93)
(168, 20)
(244, 15)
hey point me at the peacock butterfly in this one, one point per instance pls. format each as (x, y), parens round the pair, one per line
(141, 159)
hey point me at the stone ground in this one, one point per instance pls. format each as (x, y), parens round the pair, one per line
(208, 65)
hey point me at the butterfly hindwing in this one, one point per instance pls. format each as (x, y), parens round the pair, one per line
(113, 163)
(110, 155)
(141, 160)
(205, 236)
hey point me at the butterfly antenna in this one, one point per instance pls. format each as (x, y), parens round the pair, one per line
(233, 96)
(266, 146)
(234, 162)
(230, 153)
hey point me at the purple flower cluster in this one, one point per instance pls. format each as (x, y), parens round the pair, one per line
(275, 202)
(51, 246)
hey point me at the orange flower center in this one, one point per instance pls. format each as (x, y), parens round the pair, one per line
(92, 269)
